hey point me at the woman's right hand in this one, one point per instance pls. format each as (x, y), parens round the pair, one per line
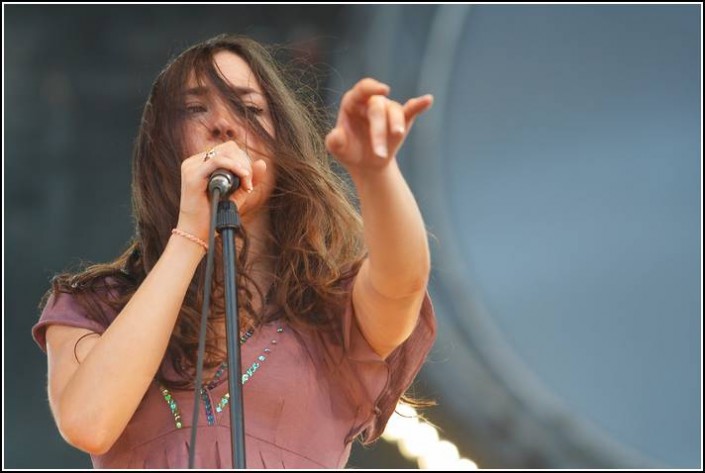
(194, 211)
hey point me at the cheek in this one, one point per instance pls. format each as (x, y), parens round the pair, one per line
(194, 138)
(269, 126)
(193, 144)
(257, 149)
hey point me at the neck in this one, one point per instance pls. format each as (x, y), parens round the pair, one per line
(259, 264)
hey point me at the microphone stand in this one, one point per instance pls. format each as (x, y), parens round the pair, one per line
(228, 221)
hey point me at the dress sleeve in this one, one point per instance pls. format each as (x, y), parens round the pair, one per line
(385, 380)
(63, 309)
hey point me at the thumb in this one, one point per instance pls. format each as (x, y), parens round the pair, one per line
(259, 170)
(241, 195)
(336, 141)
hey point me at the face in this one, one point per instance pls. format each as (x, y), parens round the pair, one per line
(210, 122)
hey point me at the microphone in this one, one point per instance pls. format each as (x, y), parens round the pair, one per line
(223, 180)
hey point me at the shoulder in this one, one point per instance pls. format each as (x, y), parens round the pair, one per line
(92, 307)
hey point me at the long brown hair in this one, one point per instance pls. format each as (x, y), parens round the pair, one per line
(316, 232)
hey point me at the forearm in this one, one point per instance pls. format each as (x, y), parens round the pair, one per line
(394, 231)
(108, 386)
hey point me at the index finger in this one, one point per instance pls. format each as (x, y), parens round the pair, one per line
(368, 87)
(361, 93)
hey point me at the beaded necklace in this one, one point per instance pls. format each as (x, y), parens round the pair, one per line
(246, 376)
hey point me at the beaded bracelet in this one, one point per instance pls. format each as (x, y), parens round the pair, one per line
(188, 236)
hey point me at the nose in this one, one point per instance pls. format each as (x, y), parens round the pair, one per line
(223, 129)
(224, 126)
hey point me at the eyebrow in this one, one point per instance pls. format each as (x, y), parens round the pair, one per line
(201, 91)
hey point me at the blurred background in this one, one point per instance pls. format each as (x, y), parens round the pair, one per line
(559, 173)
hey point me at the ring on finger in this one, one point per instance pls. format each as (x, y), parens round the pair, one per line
(211, 153)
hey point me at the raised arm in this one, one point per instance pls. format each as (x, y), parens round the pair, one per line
(389, 289)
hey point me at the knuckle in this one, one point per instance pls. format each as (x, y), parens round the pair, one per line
(379, 101)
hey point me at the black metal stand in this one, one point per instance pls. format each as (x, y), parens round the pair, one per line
(228, 222)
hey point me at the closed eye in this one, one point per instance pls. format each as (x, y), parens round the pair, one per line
(197, 108)
(255, 110)
(193, 109)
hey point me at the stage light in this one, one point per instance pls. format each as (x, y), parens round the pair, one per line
(418, 440)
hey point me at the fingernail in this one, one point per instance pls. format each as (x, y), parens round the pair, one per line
(381, 151)
(399, 130)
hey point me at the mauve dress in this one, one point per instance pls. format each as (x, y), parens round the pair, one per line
(313, 394)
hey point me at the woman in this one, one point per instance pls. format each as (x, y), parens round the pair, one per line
(336, 319)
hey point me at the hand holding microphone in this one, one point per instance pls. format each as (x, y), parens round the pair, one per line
(221, 179)
(227, 168)
(224, 181)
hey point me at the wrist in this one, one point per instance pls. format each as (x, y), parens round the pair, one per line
(372, 177)
(192, 240)
(181, 254)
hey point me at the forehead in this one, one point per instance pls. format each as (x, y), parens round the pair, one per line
(234, 71)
